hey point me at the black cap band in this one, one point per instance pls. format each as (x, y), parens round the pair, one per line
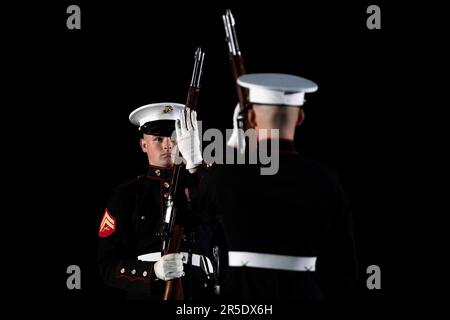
(163, 128)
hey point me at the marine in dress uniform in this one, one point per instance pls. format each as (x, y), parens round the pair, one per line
(289, 235)
(129, 246)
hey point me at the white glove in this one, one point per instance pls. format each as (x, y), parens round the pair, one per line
(169, 267)
(188, 138)
(237, 139)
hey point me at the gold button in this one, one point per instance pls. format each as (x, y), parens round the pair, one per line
(122, 270)
(166, 184)
(144, 273)
(133, 271)
(158, 172)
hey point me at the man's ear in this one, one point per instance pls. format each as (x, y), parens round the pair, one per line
(143, 145)
(301, 117)
(251, 118)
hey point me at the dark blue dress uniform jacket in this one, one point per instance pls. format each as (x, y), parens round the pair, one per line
(135, 212)
(300, 211)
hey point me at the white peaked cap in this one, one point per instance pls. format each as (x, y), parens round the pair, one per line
(155, 112)
(276, 88)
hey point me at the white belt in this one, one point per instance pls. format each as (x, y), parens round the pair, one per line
(271, 261)
(196, 259)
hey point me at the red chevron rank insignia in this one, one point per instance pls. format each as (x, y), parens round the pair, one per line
(107, 226)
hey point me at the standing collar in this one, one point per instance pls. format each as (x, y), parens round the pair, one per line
(286, 146)
(159, 172)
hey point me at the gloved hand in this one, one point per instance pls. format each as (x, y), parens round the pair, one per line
(169, 267)
(188, 138)
(237, 139)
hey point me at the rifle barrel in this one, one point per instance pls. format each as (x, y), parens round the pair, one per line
(230, 32)
(198, 66)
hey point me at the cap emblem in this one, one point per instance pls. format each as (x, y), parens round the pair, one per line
(167, 109)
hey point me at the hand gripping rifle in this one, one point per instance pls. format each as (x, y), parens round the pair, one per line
(237, 66)
(172, 232)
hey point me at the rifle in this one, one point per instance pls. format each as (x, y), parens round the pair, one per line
(194, 87)
(237, 67)
(173, 232)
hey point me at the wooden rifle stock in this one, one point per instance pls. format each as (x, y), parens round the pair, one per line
(238, 69)
(192, 98)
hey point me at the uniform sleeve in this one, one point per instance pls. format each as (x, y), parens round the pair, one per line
(204, 196)
(210, 234)
(118, 264)
(193, 180)
(337, 262)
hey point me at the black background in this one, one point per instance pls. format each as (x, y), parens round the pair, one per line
(81, 86)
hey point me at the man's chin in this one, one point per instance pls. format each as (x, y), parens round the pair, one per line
(166, 162)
